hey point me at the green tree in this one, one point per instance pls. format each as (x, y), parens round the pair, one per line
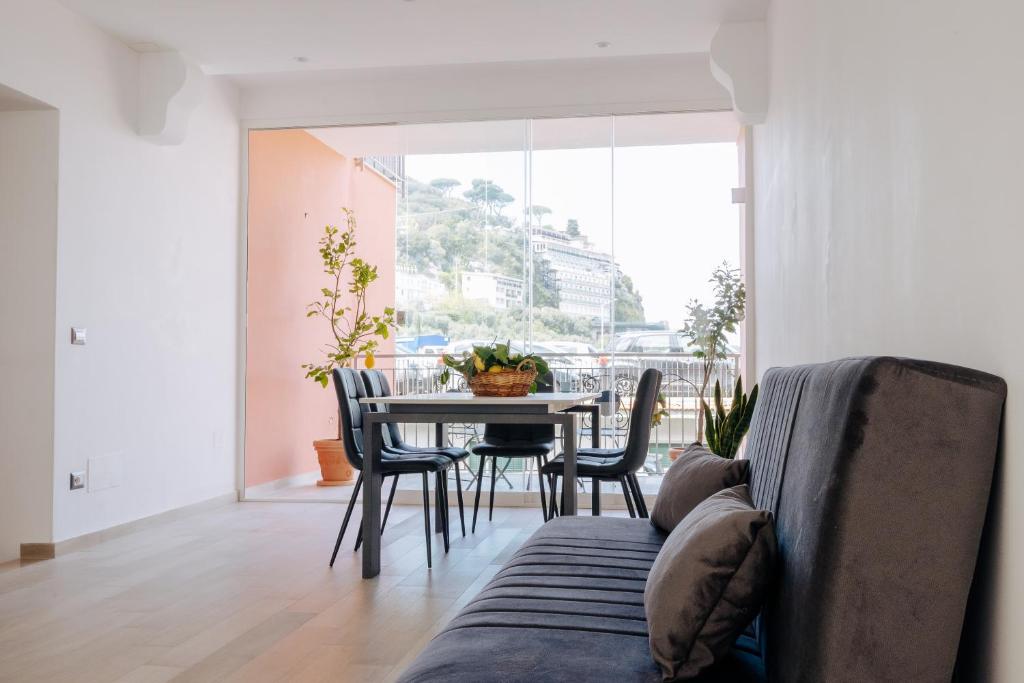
(572, 228)
(539, 212)
(444, 186)
(629, 305)
(488, 196)
(707, 326)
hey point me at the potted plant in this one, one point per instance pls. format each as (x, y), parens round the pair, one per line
(725, 429)
(354, 330)
(706, 327)
(494, 370)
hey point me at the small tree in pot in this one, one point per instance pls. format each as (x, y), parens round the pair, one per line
(706, 327)
(354, 330)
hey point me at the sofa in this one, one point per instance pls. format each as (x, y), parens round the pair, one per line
(878, 472)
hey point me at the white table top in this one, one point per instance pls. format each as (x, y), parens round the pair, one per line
(554, 401)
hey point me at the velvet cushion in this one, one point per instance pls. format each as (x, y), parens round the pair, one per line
(696, 474)
(708, 582)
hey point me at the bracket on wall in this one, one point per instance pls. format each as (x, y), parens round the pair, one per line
(739, 61)
(169, 91)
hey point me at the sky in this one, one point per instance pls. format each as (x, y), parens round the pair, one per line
(674, 220)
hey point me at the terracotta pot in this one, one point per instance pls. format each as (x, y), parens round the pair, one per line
(674, 452)
(334, 465)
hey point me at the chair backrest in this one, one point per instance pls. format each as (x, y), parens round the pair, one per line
(376, 384)
(639, 438)
(878, 471)
(527, 433)
(349, 389)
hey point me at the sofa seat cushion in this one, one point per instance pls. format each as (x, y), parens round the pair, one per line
(568, 606)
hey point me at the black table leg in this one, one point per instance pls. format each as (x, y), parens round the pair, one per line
(371, 503)
(569, 475)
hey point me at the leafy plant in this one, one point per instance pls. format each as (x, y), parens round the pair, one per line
(492, 358)
(707, 326)
(725, 430)
(355, 331)
(660, 409)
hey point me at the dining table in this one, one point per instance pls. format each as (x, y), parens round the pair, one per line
(441, 409)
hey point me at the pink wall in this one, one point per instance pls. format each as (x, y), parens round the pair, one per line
(297, 185)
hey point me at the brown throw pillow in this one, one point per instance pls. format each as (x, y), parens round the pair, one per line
(696, 474)
(708, 582)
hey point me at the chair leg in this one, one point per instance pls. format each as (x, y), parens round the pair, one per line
(494, 480)
(543, 498)
(458, 494)
(391, 497)
(595, 497)
(447, 511)
(348, 515)
(553, 509)
(426, 514)
(627, 493)
(638, 496)
(479, 486)
(440, 500)
(641, 502)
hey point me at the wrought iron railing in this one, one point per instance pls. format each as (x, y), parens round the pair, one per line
(616, 375)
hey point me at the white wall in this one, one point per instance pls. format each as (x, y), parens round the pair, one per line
(147, 260)
(888, 211)
(485, 91)
(28, 276)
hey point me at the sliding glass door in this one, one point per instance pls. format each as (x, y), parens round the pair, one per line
(582, 239)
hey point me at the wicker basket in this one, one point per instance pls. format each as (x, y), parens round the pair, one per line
(505, 384)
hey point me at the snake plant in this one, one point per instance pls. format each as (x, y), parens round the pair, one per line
(725, 430)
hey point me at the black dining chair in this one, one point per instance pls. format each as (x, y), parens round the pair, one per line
(616, 464)
(349, 388)
(376, 384)
(532, 441)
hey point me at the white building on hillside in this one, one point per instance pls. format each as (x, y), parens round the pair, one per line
(499, 291)
(583, 276)
(417, 290)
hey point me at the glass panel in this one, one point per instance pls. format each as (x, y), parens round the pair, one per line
(674, 223)
(461, 264)
(581, 239)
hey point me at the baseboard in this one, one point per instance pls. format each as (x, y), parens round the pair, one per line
(269, 487)
(48, 551)
(38, 551)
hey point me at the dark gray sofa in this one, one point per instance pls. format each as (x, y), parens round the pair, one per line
(878, 471)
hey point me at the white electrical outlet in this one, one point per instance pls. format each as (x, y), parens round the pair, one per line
(77, 480)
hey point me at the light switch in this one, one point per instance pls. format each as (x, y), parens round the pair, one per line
(78, 335)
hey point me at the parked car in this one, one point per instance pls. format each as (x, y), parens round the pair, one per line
(579, 366)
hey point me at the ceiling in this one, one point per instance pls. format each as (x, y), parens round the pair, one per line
(265, 36)
(501, 136)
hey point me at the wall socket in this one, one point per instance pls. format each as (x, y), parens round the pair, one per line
(77, 480)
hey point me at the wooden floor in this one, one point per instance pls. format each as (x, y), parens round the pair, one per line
(243, 593)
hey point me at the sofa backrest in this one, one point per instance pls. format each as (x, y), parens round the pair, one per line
(878, 471)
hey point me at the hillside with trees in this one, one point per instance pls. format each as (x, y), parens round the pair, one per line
(446, 228)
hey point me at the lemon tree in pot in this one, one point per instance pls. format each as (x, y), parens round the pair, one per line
(354, 330)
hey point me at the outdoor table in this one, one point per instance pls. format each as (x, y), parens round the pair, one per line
(452, 407)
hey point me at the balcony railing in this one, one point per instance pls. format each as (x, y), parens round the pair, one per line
(391, 167)
(616, 374)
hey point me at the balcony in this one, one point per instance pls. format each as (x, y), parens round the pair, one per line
(592, 372)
